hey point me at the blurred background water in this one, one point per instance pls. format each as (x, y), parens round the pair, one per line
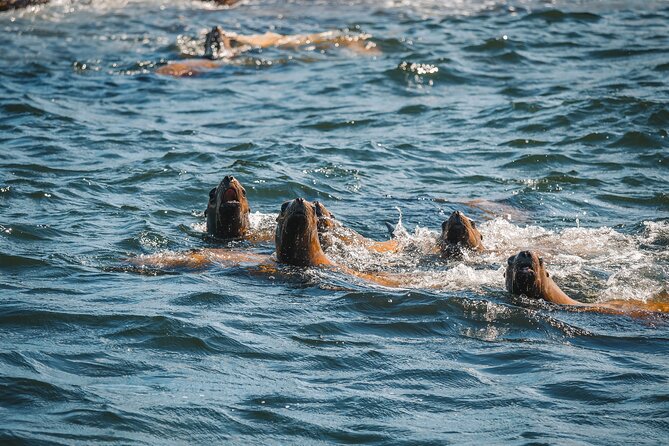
(544, 121)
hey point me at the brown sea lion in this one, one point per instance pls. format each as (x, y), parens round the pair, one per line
(296, 236)
(326, 220)
(6, 5)
(330, 229)
(228, 210)
(223, 2)
(526, 275)
(222, 44)
(297, 242)
(458, 233)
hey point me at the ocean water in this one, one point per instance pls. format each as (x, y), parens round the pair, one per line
(546, 122)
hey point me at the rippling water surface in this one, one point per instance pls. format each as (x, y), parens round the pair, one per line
(545, 121)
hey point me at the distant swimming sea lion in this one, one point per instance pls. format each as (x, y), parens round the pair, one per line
(228, 210)
(224, 2)
(457, 233)
(222, 44)
(6, 5)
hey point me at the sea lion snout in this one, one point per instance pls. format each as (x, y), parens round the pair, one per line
(232, 189)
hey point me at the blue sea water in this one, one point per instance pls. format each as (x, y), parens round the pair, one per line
(546, 122)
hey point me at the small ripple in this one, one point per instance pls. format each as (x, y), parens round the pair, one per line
(542, 160)
(637, 140)
(18, 261)
(555, 15)
(327, 126)
(416, 109)
(16, 359)
(17, 392)
(97, 365)
(588, 392)
(615, 53)
(659, 199)
(206, 299)
(525, 143)
(169, 334)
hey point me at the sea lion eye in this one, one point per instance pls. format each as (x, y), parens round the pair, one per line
(244, 192)
(541, 261)
(481, 236)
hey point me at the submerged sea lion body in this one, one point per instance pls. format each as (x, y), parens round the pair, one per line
(228, 210)
(458, 233)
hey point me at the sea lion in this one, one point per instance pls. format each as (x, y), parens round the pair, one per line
(296, 237)
(6, 5)
(223, 2)
(221, 44)
(330, 230)
(457, 233)
(526, 275)
(326, 220)
(228, 210)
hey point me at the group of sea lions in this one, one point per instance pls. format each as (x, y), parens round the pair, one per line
(17, 4)
(304, 228)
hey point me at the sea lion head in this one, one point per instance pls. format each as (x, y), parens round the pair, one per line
(525, 274)
(326, 224)
(297, 234)
(228, 209)
(218, 42)
(326, 220)
(457, 233)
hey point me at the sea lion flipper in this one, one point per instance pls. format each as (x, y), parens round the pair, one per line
(391, 228)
